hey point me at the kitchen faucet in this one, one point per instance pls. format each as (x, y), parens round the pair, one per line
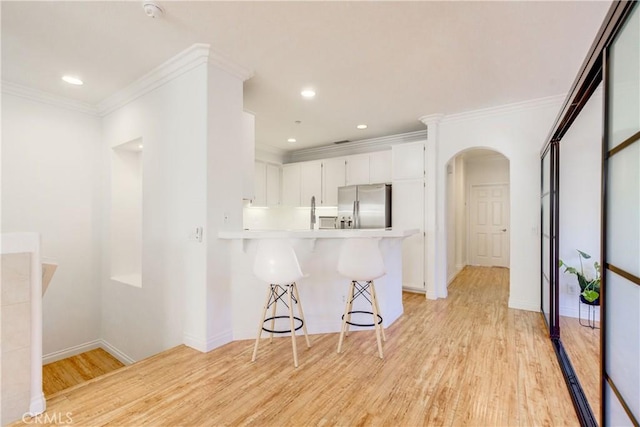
(313, 213)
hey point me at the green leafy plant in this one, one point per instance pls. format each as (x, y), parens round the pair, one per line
(589, 288)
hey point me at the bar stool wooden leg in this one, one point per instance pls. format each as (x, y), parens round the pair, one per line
(293, 326)
(350, 299)
(346, 316)
(304, 323)
(261, 323)
(375, 300)
(377, 326)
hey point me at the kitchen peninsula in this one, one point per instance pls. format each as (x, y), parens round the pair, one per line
(323, 290)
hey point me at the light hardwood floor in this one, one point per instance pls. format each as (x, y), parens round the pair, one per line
(464, 360)
(582, 344)
(77, 369)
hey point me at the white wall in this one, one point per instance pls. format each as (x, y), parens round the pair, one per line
(460, 214)
(452, 214)
(518, 132)
(50, 184)
(580, 186)
(490, 169)
(172, 121)
(224, 200)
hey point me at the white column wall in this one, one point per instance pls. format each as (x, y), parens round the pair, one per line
(224, 199)
(172, 122)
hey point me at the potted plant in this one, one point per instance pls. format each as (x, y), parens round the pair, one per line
(589, 287)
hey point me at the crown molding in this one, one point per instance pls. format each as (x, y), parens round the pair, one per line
(36, 95)
(431, 119)
(355, 147)
(270, 149)
(506, 109)
(229, 66)
(186, 60)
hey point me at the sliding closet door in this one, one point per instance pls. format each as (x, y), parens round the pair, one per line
(621, 233)
(548, 237)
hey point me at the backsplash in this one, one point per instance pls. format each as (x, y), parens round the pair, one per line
(282, 218)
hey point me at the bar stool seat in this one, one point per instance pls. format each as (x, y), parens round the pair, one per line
(361, 261)
(277, 265)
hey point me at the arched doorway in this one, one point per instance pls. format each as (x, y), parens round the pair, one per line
(477, 210)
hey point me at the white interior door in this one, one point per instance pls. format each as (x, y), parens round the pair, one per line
(489, 225)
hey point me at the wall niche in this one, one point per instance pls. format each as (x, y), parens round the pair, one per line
(126, 213)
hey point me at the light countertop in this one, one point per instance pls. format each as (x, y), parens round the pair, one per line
(318, 234)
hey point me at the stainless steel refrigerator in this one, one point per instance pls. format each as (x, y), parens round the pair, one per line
(364, 206)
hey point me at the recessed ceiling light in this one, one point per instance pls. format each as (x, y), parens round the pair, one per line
(308, 93)
(291, 140)
(362, 126)
(72, 80)
(140, 146)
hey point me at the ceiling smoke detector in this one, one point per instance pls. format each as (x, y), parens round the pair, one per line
(152, 9)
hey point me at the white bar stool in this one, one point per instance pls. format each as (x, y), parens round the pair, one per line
(276, 263)
(361, 261)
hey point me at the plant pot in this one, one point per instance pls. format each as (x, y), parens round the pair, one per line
(594, 302)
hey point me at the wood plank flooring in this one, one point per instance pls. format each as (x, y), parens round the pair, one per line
(464, 360)
(77, 369)
(582, 344)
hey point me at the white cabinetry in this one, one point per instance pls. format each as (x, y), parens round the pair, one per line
(408, 161)
(357, 169)
(333, 176)
(380, 167)
(260, 184)
(321, 178)
(291, 184)
(267, 184)
(408, 202)
(273, 185)
(248, 155)
(310, 182)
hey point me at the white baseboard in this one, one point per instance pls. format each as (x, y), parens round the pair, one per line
(454, 275)
(523, 305)
(121, 356)
(37, 405)
(70, 351)
(211, 343)
(88, 346)
(414, 290)
(194, 342)
(568, 311)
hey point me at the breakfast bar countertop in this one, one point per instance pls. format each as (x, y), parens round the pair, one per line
(318, 234)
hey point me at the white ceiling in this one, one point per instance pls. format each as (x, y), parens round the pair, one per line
(380, 63)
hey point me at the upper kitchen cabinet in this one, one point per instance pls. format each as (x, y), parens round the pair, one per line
(310, 182)
(408, 161)
(266, 184)
(273, 185)
(248, 155)
(357, 169)
(260, 184)
(371, 168)
(291, 184)
(333, 176)
(380, 167)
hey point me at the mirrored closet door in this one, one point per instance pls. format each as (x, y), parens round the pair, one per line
(621, 260)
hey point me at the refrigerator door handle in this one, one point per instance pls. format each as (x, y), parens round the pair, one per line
(356, 215)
